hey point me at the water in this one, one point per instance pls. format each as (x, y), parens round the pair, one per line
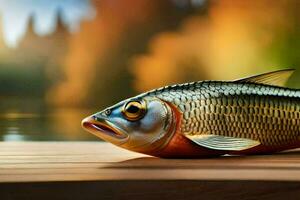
(31, 120)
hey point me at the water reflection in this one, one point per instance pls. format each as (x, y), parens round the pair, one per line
(43, 124)
(186, 3)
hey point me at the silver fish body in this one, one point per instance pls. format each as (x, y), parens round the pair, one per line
(248, 116)
(265, 113)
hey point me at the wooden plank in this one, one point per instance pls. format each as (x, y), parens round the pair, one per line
(156, 189)
(62, 161)
(89, 170)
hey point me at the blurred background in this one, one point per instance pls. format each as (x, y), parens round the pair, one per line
(62, 60)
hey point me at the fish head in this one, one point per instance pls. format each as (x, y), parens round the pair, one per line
(140, 124)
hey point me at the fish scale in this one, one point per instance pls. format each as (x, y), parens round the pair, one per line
(266, 113)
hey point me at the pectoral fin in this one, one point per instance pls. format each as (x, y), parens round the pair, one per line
(217, 142)
(277, 78)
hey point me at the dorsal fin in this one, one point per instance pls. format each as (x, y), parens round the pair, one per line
(276, 78)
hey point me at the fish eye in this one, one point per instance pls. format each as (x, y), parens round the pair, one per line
(134, 110)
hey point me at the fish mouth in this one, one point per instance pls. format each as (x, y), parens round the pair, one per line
(103, 128)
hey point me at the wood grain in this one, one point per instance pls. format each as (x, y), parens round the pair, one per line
(98, 167)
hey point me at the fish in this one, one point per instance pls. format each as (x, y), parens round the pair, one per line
(248, 116)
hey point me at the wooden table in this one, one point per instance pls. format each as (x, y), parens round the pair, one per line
(98, 170)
